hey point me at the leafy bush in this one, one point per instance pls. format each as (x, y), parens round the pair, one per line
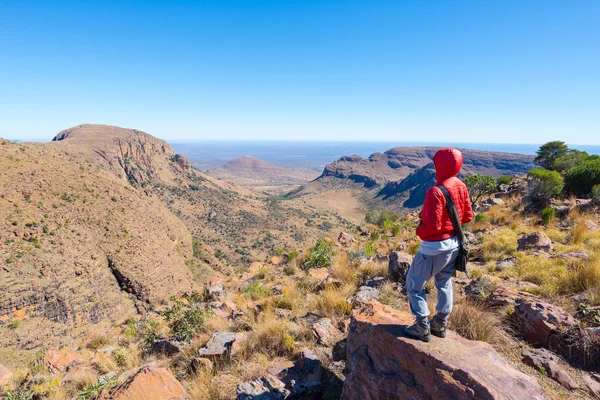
(370, 248)
(548, 215)
(580, 179)
(479, 217)
(570, 160)
(381, 218)
(543, 185)
(319, 256)
(184, 317)
(549, 152)
(596, 194)
(480, 185)
(504, 180)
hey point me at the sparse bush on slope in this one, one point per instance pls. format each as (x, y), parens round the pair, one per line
(543, 186)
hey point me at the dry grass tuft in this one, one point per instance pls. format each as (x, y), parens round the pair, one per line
(471, 321)
(271, 336)
(332, 302)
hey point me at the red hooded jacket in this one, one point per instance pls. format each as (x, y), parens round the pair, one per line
(435, 223)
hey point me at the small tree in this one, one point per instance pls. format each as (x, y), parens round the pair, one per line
(480, 185)
(570, 160)
(543, 185)
(549, 152)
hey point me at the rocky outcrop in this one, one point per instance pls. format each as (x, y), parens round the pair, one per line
(218, 347)
(60, 360)
(149, 383)
(535, 241)
(398, 266)
(541, 323)
(547, 362)
(383, 364)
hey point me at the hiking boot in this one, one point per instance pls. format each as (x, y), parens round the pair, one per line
(438, 328)
(417, 331)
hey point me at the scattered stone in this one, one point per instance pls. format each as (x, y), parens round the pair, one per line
(506, 264)
(309, 362)
(503, 296)
(364, 294)
(308, 319)
(265, 388)
(149, 383)
(282, 313)
(547, 362)
(560, 211)
(327, 334)
(480, 289)
(275, 260)
(165, 346)
(219, 346)
(540, 322)
(398, 266)
(5, 376)
(574, 255)
(593, 385)
(215, 292)
(61, 360)
(219, 309)
(535, 241)
(345, 239)
(383, 364)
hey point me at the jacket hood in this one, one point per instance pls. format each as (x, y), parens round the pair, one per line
(448, 163)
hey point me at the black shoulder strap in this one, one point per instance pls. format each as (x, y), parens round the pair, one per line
(453, 213)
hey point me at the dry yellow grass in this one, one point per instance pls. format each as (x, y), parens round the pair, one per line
(499, 245)
(332, 302)
(471, 321)
(271, 336)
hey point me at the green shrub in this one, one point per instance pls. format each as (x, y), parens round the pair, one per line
(396, 229)
(381, 218)
(256, 291)
(319, 256)
(375, 235)
(185, 318)
(504, 180)
(548, 215)
(480, 185)
(479, 217)
(543, 185)
(370, 249)
(580, 179)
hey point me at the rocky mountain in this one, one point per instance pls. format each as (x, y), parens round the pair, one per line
(250, 171)
(105, 222)
(400, 177)
(79, 246)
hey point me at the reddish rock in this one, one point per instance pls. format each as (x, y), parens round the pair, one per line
(540, 322)
(61, 360)
(383, 364)
(546, 361)
(398, 266)
(345, 239)
(535, 241)
(327, 334)
(149, 383)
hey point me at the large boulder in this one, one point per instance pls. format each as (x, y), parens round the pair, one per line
(535, 241)
(266, 387)
(326, 333)
(398, 266)
(541, 323)
(149, 383)
(384, 364)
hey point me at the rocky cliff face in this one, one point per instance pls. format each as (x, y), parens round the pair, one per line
(128, 153)
(383, 364)
(79, 246)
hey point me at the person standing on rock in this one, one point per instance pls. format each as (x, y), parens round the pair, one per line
(437, 254)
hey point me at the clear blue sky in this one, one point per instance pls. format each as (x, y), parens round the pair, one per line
(453, 71)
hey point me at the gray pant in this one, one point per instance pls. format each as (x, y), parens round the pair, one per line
(424, 267)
